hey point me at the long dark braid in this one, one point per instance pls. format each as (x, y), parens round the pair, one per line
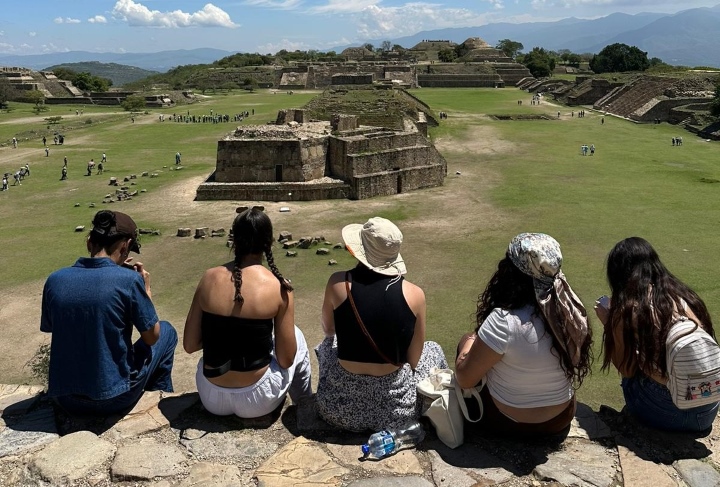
(237, 280)
(276, 272)
(253, 234)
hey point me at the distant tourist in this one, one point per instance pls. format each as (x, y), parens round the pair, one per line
(14, 142)
(90, 167)
(5, 182)
(177, 158)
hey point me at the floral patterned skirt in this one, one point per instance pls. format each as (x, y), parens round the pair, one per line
(357, 402)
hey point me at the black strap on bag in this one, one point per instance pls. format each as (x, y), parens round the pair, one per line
(362, 325)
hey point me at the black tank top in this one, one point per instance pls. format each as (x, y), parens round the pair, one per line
(232, 343)
(385, 313)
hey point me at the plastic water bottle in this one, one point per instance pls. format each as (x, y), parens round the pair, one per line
(385, 443)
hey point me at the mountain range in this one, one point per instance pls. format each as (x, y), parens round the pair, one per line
(153, 61)
(687, 38)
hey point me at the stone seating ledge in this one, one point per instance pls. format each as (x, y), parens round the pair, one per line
(169, 440)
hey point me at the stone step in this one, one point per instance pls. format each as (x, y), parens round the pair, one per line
(169, 440)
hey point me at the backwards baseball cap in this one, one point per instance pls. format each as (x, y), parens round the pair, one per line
(114, 223)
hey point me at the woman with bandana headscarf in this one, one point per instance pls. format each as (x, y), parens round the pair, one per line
(532, 343)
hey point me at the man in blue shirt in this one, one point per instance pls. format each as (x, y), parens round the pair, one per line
(91, 308)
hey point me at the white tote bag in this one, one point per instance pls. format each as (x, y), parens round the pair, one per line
(448, 407)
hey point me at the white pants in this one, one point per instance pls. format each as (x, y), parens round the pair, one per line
(264, 396)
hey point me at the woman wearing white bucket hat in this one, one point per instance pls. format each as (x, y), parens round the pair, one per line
(374, 352)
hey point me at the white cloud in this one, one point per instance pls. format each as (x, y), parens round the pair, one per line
(274, 4)
(2, 33)
(32, 34)
(50, 47)
(286, 44)
(343, 6)
(375, 21)
(98, 19)
(66, 20)
(497, 4)
(136, 14)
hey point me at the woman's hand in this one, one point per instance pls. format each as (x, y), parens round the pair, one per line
(602, 309)
(466, 343)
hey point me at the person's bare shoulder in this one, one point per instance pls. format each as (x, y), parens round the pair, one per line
(414, 294)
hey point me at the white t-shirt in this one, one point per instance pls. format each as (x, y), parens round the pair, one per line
(528, 375)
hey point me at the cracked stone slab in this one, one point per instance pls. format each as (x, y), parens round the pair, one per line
(391, 482)
(642, 473)
(212, 475)
(145, 417)
(18, 399)
(697, 474)
(72, 457)
(223, 446)
(581, 463)
(146, 460)
(587, 424)
(27, 432)
(300, 463)
(466, 465)
(403, 462)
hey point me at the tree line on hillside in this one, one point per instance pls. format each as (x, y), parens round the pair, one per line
(84, 81)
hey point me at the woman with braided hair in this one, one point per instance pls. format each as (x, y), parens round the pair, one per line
(242, 318)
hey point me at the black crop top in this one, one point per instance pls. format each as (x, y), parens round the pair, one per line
(385, 313)
(233, 343)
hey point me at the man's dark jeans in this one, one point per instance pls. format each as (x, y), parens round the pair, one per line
(151, 372)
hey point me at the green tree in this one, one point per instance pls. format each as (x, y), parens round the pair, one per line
(540, 62)
(133, 103)
(618, 58)
(447, 55)
(36, 97)
(369, 47)
(510, 48)
(398, 48)
(386, 46)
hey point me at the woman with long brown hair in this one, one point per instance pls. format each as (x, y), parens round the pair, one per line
(242, 318)
(531, 344)
(647, 300)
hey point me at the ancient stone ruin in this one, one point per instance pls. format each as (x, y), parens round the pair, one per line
(300, 160)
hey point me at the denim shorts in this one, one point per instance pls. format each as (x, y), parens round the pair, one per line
(651, 404)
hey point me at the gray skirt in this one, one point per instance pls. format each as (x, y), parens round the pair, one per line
(358, 402)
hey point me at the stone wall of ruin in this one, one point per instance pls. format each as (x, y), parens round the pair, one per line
(340, 150)
(252, 161)
(397, 182)
(458, 80)
(391, 160)
(352, 79)
(260, 191)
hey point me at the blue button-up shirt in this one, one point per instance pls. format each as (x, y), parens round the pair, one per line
(90, 309)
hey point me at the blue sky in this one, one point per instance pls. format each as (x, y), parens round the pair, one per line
(266, 26)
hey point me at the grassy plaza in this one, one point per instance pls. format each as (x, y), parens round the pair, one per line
(504, 177)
